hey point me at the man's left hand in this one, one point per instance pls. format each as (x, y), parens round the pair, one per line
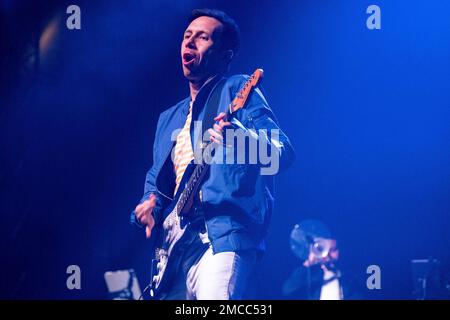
(216, 131)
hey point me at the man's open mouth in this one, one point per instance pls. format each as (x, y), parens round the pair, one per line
(188, 58)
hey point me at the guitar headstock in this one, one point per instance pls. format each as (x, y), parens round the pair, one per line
(256, 76)
(241, 97)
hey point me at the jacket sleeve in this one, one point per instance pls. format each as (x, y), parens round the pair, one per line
(259, 120)
(150, 186)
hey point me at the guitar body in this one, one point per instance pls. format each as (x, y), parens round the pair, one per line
(174, 235)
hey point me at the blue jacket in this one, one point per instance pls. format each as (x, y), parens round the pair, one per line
(236, 199)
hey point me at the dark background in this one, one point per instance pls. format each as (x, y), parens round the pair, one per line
(366, 110)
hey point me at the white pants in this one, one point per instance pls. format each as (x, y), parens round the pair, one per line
(220, 276)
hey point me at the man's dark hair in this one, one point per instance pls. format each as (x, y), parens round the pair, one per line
(230, 36)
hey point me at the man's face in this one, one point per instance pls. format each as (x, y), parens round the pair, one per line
(201, 55)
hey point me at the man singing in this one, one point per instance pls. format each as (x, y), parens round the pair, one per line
(236, 199)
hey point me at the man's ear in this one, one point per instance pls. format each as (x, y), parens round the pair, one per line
(228, 55)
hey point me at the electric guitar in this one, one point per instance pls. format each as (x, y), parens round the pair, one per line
(173, 235)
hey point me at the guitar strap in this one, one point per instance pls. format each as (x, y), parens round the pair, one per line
(212, 107)
(211, 111)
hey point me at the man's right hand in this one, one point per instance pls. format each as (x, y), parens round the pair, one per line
(144, 215)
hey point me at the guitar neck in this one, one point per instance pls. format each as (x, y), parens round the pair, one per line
(202, 167)
(195, 180)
